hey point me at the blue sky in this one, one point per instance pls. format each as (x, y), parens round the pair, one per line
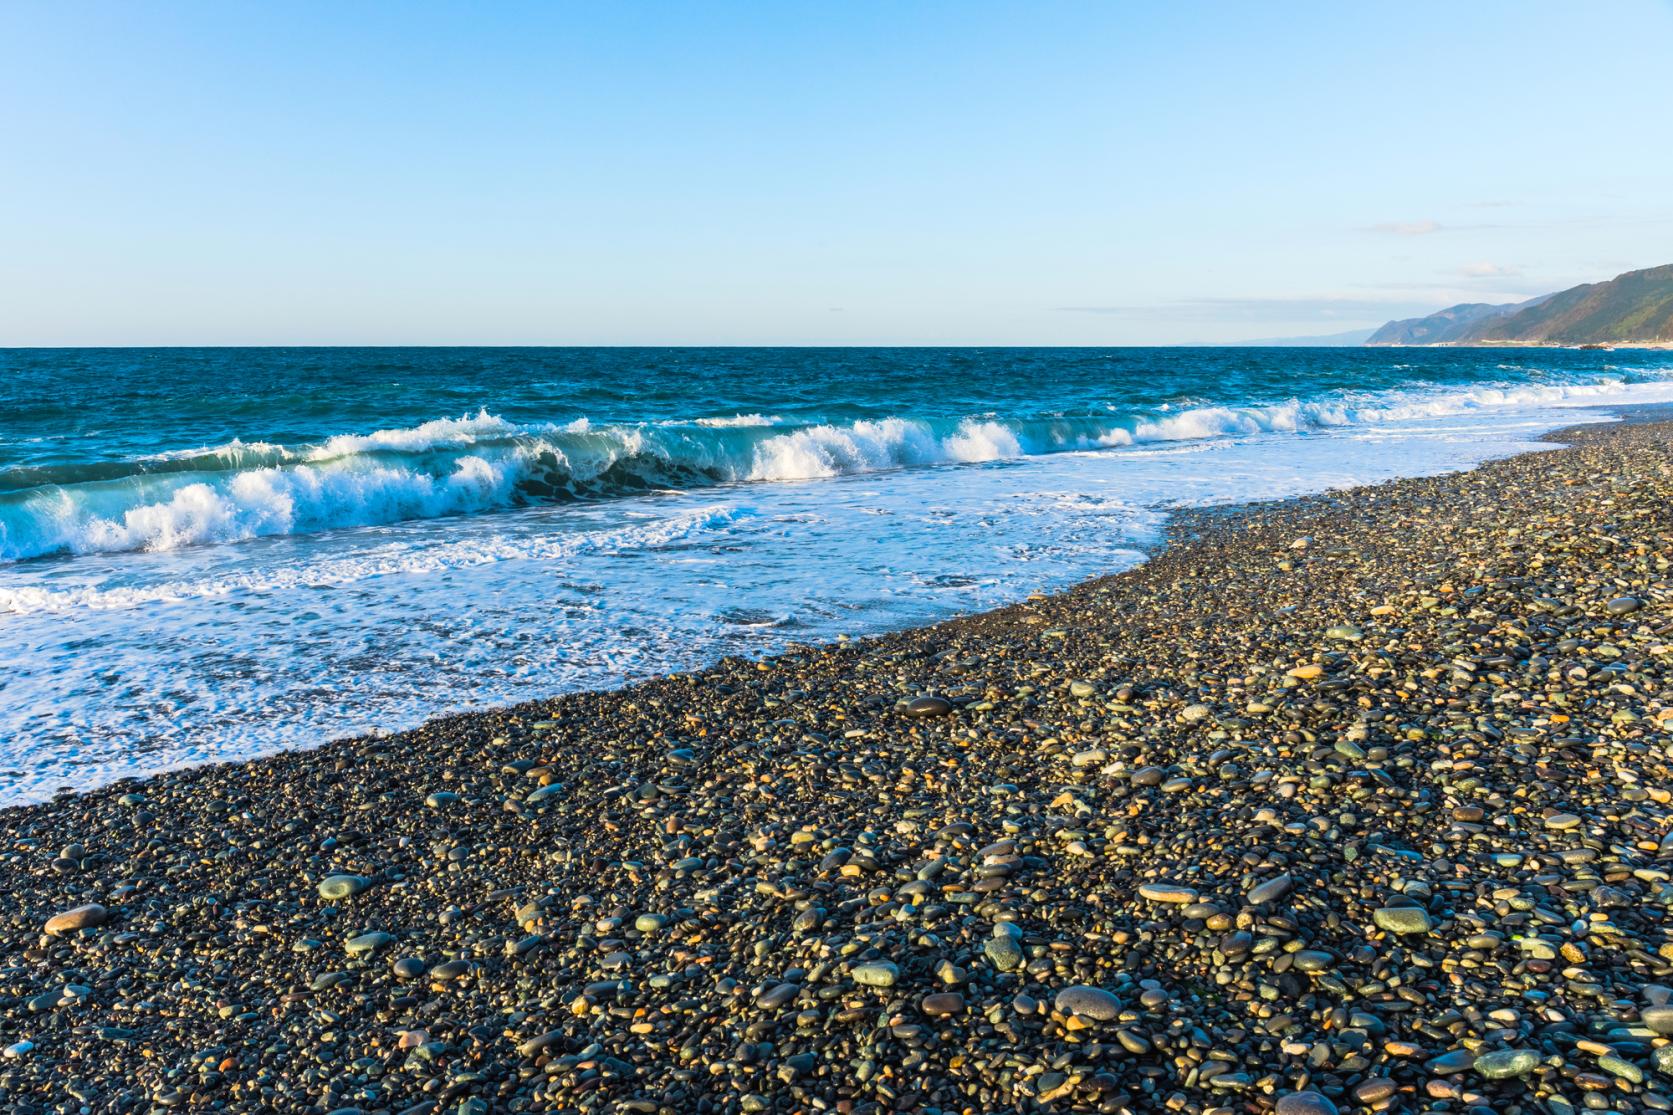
(712, 173)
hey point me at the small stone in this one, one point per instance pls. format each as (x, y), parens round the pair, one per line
(1082, 689)
(536, 1045)
(1406, 920)
(1003, 952)
(367, 943)
(408, 967)
(1374, 1090)
(1621, 605)
(1170, 893)
(1193, 713)
(943, 1004)
(1621, 1068)
(876, 973)
(1450, 1062)
(1305, 1103)
(1562, 821)
(1088, 1002)
(929, 706)
(333, 887)
(1505, 1063)
(1271, 890)
(82, 917)
(650, 923)
(1344, 632)
(544, 795)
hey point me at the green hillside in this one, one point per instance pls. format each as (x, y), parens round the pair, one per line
(1636, 306)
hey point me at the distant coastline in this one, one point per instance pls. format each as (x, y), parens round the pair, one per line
(1632, 310)
(1592, 346)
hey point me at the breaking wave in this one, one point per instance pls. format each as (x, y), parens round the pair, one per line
(481, 463)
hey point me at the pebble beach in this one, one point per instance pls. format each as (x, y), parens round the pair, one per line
(1351, 803)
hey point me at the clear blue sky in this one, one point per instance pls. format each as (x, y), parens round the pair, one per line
(969, 173)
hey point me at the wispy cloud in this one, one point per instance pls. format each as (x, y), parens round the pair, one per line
(1490, 271)
(1407, 228)
(1305, 308)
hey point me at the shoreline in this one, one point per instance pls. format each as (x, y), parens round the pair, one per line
(749, 879)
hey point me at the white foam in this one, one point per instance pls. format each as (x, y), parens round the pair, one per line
(428, 558)
(483, 463)
(126, 664)
(441, 433)
(982, 441)
(741, 421)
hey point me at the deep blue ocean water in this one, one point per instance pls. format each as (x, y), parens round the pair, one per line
(210, 553)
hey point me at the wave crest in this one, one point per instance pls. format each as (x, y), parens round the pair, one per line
(479, 463)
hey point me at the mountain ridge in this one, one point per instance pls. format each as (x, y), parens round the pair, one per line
(1633, 308)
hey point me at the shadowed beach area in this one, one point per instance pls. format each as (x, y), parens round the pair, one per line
(1351, 803)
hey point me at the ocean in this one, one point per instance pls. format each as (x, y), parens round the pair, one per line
(210, 554)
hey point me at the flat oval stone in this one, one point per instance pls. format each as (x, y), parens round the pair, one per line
(1621, 1067)
(450, 969)
(1305, 1103)
(876, 973)
(1374, 1090)
(1502, 1064)
(943, 1004)
(367, 943)
(1088, 1002)
(1311, 960)
(1408, 920)
(929, 706)
(1621, 605)
(1453, 1061)
(775, 997)
(342, 886)
(82, 917)
(1271, 890)
(536, 1045)
(1346, 632)
(1168, 892)
(650, 923)
(1658, 1020)
(1562, 821)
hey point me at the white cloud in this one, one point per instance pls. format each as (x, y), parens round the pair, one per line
(1408, 228)
(1490, 271)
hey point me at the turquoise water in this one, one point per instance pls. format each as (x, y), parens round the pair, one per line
(209, 553)
(110, 450)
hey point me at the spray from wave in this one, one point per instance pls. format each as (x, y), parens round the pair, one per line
(483, 463)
